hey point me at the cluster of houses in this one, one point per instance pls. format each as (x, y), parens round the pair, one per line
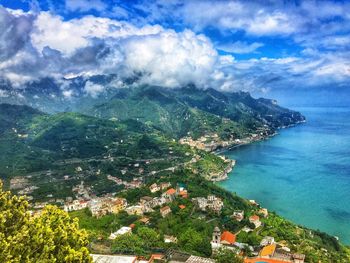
(208, 142)
(98, 206)
(275, 253)
(268, 249)
(212, 203)
(136, 182)
(148, 204)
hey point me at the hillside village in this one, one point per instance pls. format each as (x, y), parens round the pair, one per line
(164, 196)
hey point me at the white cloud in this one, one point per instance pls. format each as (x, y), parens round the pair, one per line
(67, 36)
(58, 48)
(93, 89)
(3, 93)
(68, 93)
(240, 47)
(171, 59)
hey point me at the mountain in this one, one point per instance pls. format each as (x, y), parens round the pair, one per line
(190, 111)
(43, 148)
(176, 112)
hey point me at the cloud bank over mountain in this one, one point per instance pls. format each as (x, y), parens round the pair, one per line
(46, 45)
(227, 45)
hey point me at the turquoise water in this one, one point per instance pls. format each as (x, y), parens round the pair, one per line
(303, 173)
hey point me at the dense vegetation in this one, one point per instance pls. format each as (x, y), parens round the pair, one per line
(51, 236)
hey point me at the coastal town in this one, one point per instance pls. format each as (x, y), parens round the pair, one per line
(211, 142)
(164, 195)
(166, 199)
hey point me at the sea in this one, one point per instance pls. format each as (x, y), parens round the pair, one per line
(303, 173)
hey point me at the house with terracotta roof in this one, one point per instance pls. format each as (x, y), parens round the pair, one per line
(225, 239)
(273, 254)
(183, 194)
(228, 238)
(170, 195)
(255, 220)
(164, 211)
(182, 207)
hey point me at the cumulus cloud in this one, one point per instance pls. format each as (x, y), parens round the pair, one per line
(47, 45)
(14, 32)
(171, 59)
(91, 46)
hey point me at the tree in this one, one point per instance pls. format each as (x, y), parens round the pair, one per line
(49, 237)
(128, 244)
(193, 241)
(149, 236)
(224, 255)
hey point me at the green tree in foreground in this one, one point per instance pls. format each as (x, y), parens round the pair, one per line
(226, 255)
(52, 237)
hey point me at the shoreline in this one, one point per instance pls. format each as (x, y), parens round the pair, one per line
(278, 213)
(253, 140)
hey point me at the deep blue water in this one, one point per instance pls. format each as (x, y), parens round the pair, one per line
(303, 173)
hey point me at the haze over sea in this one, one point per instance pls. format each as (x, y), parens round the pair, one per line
(303, 173)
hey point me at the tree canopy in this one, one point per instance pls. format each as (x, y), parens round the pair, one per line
(226, 255)
(51, 236)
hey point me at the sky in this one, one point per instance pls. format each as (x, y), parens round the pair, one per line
(289, 50)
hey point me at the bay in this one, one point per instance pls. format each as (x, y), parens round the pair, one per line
(303, 173)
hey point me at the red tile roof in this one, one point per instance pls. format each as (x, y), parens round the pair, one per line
(228, 237)
(182, 206)
(254, 218)
(183, 193)
(171, 191)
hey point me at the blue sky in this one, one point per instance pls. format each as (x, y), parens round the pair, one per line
(271, 48)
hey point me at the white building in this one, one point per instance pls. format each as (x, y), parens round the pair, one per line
(122, 231)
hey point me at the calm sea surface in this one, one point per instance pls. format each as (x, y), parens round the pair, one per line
(303, 173)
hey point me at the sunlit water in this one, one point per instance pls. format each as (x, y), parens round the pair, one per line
(303, 173)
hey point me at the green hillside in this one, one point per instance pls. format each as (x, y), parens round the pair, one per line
(194, 112)
(44, 148)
